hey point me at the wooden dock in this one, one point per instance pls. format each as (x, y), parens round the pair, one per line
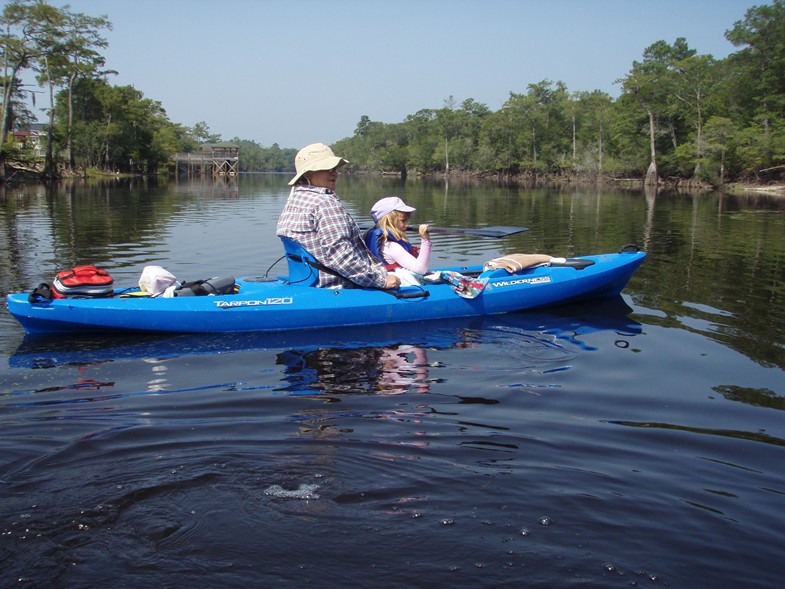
(214, 159)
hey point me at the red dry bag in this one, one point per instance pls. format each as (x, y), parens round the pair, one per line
(82, 282)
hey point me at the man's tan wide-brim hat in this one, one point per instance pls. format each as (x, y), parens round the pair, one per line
(313, 158)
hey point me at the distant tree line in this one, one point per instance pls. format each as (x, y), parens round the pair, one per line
(679, 114)
(255, 158)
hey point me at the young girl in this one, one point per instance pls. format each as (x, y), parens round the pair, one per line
(387, 241)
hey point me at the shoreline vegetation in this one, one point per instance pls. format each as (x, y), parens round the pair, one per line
(682, 121)
(522, 180)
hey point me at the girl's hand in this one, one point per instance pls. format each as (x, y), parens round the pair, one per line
(424, 233)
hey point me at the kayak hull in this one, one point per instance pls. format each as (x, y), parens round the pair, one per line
(264, 305)
(566, 323)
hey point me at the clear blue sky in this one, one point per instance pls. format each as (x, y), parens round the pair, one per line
(295, 72)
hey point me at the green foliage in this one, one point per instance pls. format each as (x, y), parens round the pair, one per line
(761, 61)
(761, 148)
(115, 128)
(691, 115)
(255, 158)
(201, 133)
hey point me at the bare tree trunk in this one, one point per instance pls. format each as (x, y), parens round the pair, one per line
(574, 143)
(534, 144)
(5, 128)
(49, 166)
(599, 148)
(446, 155)
(672, 132)
(106, 145)
(70, 131)
(8, 90)
(698, 141)
(652, 176)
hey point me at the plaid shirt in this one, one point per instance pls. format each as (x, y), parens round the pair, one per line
(317, 220)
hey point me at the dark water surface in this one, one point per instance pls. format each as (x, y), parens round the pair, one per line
(635, 442)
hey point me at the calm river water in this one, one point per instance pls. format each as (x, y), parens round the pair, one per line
(636, 442)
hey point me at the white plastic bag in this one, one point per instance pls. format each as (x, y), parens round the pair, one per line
(407, 277)
(156, 280)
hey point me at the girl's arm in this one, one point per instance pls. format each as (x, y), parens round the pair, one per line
(394, 252)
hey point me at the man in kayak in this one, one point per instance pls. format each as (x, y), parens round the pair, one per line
(315, 218)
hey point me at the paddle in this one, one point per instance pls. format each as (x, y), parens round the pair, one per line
(496, 231)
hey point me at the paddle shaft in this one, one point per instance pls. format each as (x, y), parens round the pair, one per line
(496, 231)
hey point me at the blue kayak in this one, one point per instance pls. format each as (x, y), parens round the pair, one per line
(563, 324)
(262, 304)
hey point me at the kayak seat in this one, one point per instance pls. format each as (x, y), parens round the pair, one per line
(300, 260)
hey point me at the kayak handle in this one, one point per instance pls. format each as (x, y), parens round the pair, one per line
(630, 247)
(409, 295)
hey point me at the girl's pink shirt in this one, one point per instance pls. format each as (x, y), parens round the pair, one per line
(394, 252)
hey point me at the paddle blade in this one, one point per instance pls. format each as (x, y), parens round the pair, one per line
(496, 231)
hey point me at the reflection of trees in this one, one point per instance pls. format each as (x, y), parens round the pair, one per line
(756, 397)
(715, 260)
(727, 433)
(384, 371)
(80, 221)
(651, 200)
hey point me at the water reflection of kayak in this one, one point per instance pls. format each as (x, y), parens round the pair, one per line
(259, 305)
(565, 323)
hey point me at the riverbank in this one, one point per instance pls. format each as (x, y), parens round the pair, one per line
(771, 189)
(526, 179)
(678, 184)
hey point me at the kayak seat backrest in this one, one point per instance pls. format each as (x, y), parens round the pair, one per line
(298, 258)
